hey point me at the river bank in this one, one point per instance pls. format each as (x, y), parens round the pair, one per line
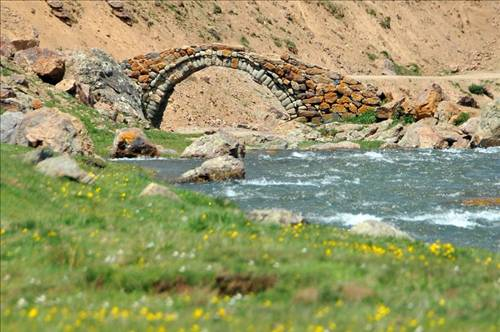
(114, 259)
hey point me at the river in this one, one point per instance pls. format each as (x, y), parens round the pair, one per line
(419, 191)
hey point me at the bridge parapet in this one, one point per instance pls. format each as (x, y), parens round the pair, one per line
(308, 93)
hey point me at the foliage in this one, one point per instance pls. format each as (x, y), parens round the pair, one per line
(334, 9)
(244, 41)
(290, 45)
(371, 11)
(277, 42)
(410, 70)
(371, 56)
(99, 257)
(385, 22)
(462, 118)
(400, 117)
(217, 10)
(367, 117)
(369, 144)
(477, 89)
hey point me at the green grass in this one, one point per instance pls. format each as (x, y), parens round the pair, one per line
(101, 136)
(99, 257)
(412, 69)
(477, 89)
(277, 42)
(369, 144)
(367, 117)
(371, 56)
(462, 118)
(244, 41)
(334, 9)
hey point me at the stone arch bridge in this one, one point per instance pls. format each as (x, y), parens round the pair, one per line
(307, 92)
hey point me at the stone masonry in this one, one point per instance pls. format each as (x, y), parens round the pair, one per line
(308, 93)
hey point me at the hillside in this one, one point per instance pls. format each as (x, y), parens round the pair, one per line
(344, 36)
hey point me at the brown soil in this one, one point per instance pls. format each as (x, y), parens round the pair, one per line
(346, 36)
(243, 284)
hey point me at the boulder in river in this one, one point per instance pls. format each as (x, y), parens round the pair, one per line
(215, 145)
(378, 229)
(488, 132)
(133, 143)
(276, 216)
(423, 134)
(216, 169)
(427, 101)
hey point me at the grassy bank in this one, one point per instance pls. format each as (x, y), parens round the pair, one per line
(99, 257)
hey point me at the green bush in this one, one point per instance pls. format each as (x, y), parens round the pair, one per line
(371, 56)
(244, 41)
(217, 10)
(367, 117)
(477, 89)
(386, 22)
(462, 117)
(334, 9)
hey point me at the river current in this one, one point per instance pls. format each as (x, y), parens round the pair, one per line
(419, 191)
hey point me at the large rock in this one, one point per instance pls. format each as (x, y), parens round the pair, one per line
(99, 78)
(9, 121)
(252, 139)
(467, 101)
(423, 134)
(275, 216)
(133, 143)
(63, 166)
(155, 189)
(389, 134)
(335, 146)
(448, 112)
(216, 169)
(215, 145)
(49, 69)
(454, 137)
(488, 133)
(48, 127)
(427, 101)
(471, 126)
(28, 57)
(378, 229)
(387, 110)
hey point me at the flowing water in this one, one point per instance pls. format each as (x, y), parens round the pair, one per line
(420, 191)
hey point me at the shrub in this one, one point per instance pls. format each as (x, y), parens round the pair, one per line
(462, 117)
(367, 117)
(291, 46)
(477, 89)
(334, 9)
(277, 42)
(386, 22)
(411, 70)
(244, 41)
(371, 11)
(371, 56)
(217, 10)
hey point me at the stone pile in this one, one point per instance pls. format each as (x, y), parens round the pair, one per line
(308, 93)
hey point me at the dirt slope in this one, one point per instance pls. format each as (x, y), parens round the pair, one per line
(351, 37)
(336, 34)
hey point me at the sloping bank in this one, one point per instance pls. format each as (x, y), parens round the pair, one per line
(101, 256)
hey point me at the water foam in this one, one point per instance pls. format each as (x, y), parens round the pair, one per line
(457, 218)
(348, 219)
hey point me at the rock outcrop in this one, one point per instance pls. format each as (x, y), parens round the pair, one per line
(133, 143)
(48, 127)
(215, 145)
(427, 101)
(488, 131)
(423, 134)
(9, 121)
(216, 169)
(101, 83)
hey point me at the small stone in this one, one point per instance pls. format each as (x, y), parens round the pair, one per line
(217, 169)
(132, 143)
(378, 229)
(155, 189)
(66, 85)
(49, 69)
(36, 104)
(38, 155)
(335, 146)
(276, 217)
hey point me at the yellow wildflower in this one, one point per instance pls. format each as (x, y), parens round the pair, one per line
(198, 313)
(381, 312)
(33, 313)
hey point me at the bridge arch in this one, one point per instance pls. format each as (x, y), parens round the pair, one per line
(308, 92)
